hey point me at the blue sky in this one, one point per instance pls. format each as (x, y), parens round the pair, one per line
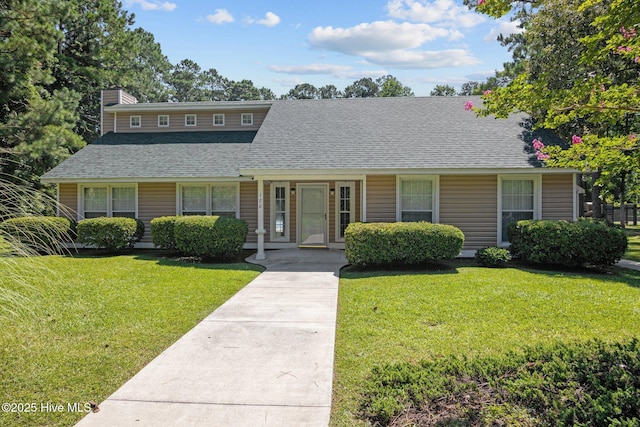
(281, 43)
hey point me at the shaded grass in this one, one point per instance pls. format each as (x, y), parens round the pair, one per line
(633, 251)
(91, 323)
(399, 316)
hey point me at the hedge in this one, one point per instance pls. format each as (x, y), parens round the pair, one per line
(39, 233)
(162, 232)
(402, 243)
(112, 234)
(581, 243)
(210, 237)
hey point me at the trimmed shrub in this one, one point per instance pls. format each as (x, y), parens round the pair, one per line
(162, 232)
(210, 237)
(582, 384)
(402, 243)
(572, 244)
(140, 229)
(112, 234)
(39, 233)
(493, 256)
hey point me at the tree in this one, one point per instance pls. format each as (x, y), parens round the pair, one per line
(329, 92)
(363, 88)
(215, 85)
(391, 86)
(581, 80)
(186, 82)
(478, 88)
(443, 90)
(303, 91)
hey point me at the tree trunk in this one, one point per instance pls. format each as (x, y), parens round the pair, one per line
(623, 196)
(598, 212)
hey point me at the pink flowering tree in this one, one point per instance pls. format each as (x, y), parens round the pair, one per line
(578, 74)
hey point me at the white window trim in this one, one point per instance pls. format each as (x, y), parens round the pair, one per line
(131, 118)
(163, 115)
(109, 187)
(195, 120)
(242, 119)
(352, 210)
(537, 200)
(435, 179)
(208, 186)
(272, 212)
(214, 119)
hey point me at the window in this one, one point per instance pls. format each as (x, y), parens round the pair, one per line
(218, 119)
(518, 199)
(280, 211)
(189, 119)
(417, 198)
(194, 200)
(214, 199)
(163, 120)
(135, 121)
(224, 200)
(247, 119)
(345, 207)
(108, 200)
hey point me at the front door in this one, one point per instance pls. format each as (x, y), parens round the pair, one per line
(312, 207)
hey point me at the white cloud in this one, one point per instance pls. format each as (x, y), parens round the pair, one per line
(222, 16)
(505, 28)
(412, 59)
(270, 20)
(436, 12)
(375, 37)
(153, 5)
(338, 71)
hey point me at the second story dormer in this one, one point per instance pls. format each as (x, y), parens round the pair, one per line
(121, 113)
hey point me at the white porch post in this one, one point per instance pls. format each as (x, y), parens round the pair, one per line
(260, 231)
(363, 198)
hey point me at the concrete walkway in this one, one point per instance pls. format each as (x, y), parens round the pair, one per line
(626, 263)
(264, 358)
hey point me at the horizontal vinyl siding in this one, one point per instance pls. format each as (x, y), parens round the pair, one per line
(68, 199)
(155, 200)
(249, 208)
(470, 203)
(381, 198)
(557, 196)
(204, 121)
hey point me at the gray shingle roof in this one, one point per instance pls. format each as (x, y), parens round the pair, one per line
(297, 135)
(427, 132)
(157, 155)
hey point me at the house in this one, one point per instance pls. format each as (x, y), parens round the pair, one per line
(299, 171)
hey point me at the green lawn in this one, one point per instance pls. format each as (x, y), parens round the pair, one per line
(633, 252)
(90, 323)
(391, 316)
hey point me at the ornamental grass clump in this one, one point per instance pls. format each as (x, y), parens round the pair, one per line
(401, 243)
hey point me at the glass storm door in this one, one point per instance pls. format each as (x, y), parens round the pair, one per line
(313, 215)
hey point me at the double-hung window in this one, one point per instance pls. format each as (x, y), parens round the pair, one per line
(135, 121)
(417, 198)
(190, 120)
(108, 200)
(163, 120)
(246, 119)
(221, 199)
(518, 199)
(218, 119)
